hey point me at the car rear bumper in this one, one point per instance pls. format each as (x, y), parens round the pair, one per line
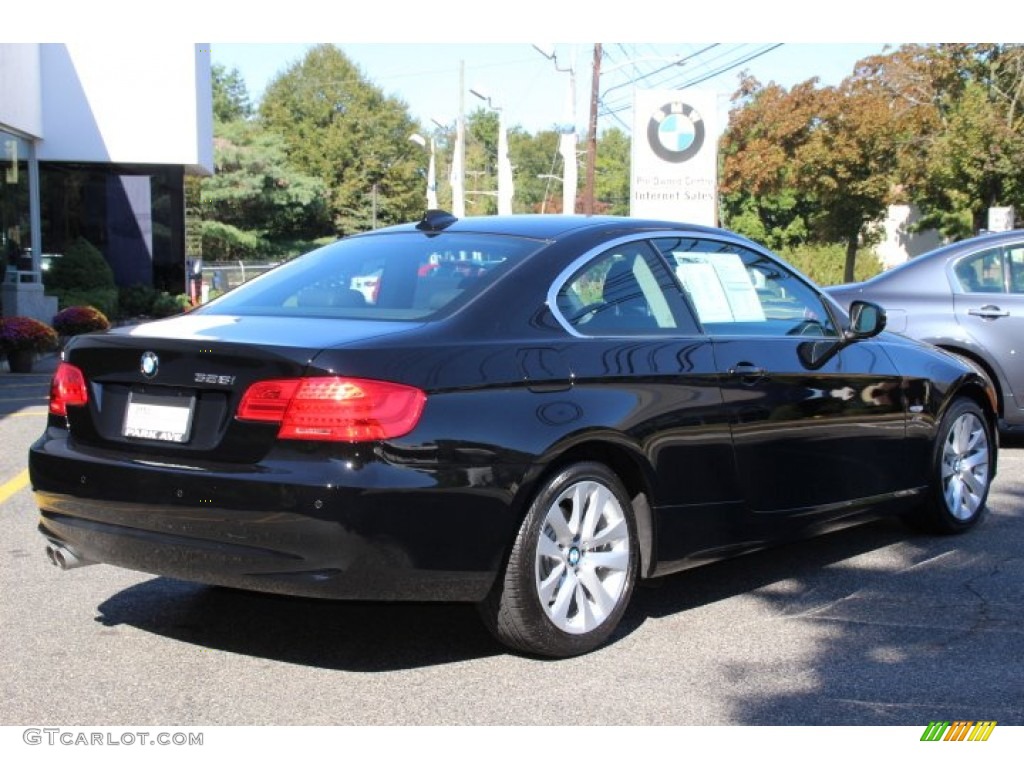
(317, 527)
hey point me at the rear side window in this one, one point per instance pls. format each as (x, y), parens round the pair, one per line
(981, 272)
(397, 276)
(624, 292)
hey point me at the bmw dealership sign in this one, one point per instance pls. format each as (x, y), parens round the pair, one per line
(675, 163)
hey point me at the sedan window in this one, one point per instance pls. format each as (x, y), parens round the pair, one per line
(624, 292)
(401, 276)
(735, 290)
(981, 272)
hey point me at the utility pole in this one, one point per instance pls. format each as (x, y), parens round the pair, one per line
(458, 174)
(595, 87)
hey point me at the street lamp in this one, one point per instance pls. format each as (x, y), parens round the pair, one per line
(505, 183)
(567, 133)
(431, 169)
(457, 175)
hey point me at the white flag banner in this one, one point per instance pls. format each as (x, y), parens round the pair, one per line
(674, 174)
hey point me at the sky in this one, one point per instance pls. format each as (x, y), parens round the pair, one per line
(530, 88)
(413, 49)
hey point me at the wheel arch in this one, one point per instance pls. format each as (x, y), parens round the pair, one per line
(628, 464)
(988, 369)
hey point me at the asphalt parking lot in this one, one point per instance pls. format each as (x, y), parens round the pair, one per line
(869, 626)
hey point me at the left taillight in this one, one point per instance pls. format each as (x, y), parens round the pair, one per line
(334, 408)
(68, 387)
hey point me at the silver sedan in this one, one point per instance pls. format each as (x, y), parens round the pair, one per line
(967, 298)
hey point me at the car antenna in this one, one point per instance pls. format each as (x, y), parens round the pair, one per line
(434, 220)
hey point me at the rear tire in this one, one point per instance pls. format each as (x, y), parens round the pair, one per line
(572, 568)
(962, 471)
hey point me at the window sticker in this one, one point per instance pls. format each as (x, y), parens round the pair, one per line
(719, 287)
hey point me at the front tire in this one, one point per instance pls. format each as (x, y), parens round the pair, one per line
(572, 568)
(962, 470)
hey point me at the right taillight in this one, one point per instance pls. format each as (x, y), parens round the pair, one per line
(334, 408)
(67, 388)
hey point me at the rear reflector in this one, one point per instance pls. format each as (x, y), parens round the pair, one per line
(67, 388)
(334, 408)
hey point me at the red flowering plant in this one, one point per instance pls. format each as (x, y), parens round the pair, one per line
(75, 320)
(26, 334)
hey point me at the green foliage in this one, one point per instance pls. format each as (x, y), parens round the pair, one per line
(136, 300)
(230, 96)
(342, 130)
(82, 266)
(825, 264)
(256, 200)
(166, 305)
(82, 277)
(611, 181)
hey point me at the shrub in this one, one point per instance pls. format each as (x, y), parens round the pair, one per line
(82, 277)
(136, 300)
(81, 319)
(166, 305)
(26, 333)
(824, 264)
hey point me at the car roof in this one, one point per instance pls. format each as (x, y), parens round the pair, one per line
(551, 226)
(934, 261)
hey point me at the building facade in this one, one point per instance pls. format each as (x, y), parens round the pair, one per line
(96, 141)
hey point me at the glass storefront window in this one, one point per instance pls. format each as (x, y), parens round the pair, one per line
(15, 230)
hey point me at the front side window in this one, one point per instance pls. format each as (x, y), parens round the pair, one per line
(735, 290)
(397, 276)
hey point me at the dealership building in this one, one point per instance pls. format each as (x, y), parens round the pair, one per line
(97, 141)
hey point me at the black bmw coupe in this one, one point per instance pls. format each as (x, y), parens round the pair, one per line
(527, 412)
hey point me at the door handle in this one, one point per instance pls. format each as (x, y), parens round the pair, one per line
(989, 311)
(748, 372)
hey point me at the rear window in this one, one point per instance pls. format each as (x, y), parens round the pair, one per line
(398, 276)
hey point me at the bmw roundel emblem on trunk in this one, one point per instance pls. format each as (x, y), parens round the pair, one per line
(149, 364)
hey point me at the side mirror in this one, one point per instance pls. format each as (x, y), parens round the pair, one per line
(866, 320)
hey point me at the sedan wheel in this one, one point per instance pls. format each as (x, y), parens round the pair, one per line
(572, 568)
(963, 469)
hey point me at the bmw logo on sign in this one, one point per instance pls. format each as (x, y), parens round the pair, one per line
(675, 132)
(149, 364)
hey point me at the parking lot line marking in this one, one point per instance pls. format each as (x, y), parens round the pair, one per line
(13, 485)
(24, 413)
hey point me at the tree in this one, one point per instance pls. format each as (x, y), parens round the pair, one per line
(256, 205)
(342, 130)
(810, 162)
(230, 96)
(759, 188)
(848, 164)
(612, 180)
(967, 149)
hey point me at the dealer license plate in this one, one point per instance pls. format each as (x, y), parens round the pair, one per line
(149, 417)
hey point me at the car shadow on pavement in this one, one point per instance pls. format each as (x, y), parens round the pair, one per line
(378, 636)
(342, 635)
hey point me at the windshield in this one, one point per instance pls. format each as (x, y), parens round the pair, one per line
(395, 276)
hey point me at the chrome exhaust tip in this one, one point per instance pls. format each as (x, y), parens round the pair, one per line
(64, 558)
